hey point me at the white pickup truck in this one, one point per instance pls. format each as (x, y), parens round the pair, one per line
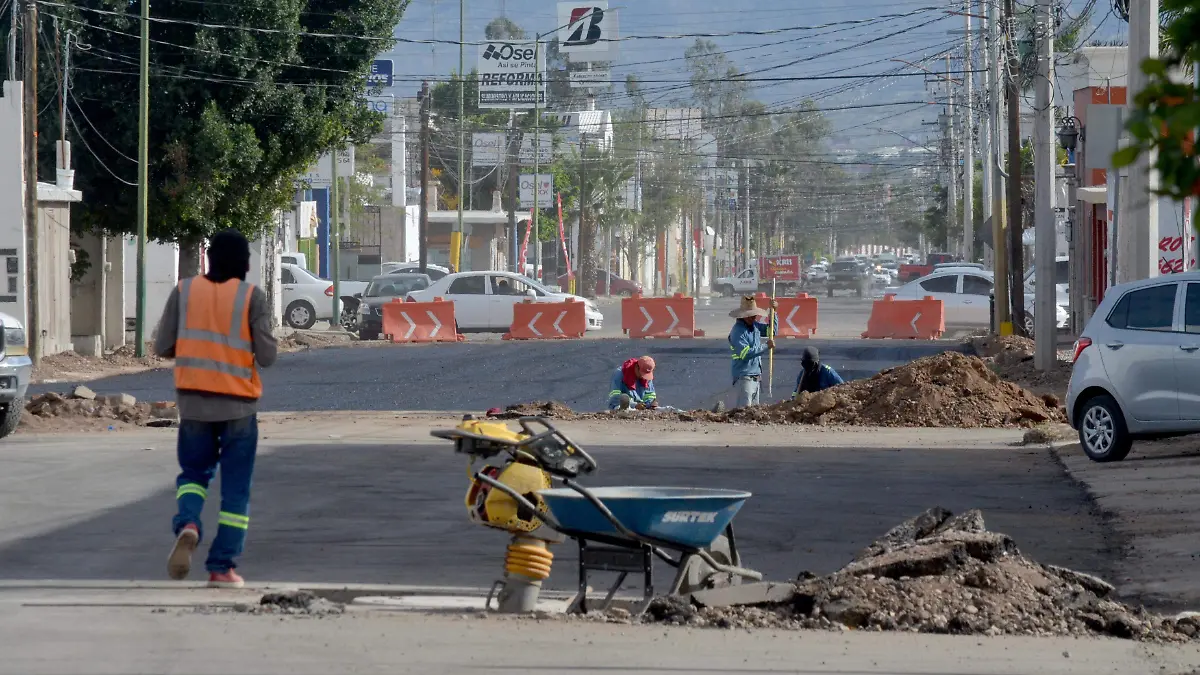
(784, 270)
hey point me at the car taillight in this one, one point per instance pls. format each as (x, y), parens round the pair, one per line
(329, 291)
(1080, 345)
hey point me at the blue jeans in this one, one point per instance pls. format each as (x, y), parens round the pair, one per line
(203, 446)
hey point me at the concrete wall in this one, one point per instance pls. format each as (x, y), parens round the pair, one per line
(12, 203)
(54, 275)
(162, 274)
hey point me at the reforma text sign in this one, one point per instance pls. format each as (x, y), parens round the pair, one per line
(507, 72)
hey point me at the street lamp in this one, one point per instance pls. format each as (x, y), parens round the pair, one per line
(1070, 133)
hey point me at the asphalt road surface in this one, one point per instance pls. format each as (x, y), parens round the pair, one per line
(366, 513)
(476, 376)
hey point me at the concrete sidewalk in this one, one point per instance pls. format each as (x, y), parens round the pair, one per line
(125, 632)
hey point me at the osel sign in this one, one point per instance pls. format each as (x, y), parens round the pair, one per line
(507, 72)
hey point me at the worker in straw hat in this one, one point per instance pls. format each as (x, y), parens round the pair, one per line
(633, 385)
(748, 345)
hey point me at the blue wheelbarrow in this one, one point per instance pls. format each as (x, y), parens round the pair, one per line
(618, 529)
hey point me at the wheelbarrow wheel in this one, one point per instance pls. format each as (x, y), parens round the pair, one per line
(697, 575)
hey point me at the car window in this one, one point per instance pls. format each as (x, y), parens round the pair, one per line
(473, 285)
(285, 277)
(1191, 309)
(509, 286)
(746, 274)
(1145, 309)
(944, 284)
(973, 285)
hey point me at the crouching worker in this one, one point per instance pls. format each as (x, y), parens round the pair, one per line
(814, 375)
(633, 385)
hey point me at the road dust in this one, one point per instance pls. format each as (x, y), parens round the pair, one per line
(938, 573)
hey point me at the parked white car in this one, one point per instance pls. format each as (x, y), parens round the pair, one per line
(963, 292)
(306, 298)
(818, 274)
(16, 369)
(483, 301)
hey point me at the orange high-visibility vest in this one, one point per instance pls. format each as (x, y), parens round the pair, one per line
(214, 351)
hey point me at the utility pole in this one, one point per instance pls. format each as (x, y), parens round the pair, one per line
(1044, 318)
(335, 236)
(62, 97)
(12, 39)
(464, 185)
(999, 243)
(514, 179)
(33, 328)
(1016, 270)
(968, 143)
(1138, 243)
(423, 233)
(746, 237)
(951, 163)
(585, 195)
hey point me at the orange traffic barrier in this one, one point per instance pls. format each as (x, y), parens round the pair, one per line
(675, 316)
(547, 321)
(420, 321)
(797, 316)
(906, 319)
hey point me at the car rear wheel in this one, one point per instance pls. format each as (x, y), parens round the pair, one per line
(626, 293)
(368, 335)
(1102, 431)
(300, 315)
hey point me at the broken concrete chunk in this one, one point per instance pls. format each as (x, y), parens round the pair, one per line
(83, 393)
(908, 532)
(985, 546)
(744, 594)
(1092, 583)
(969, 521)
(919, 560)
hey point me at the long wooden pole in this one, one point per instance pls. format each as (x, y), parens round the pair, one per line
(771, 336)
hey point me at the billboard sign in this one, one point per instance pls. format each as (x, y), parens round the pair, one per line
(487, 149)
(545, 190)
(591, 79)
(381, 74)
(507, 71)
(320, 174)
(589, 30)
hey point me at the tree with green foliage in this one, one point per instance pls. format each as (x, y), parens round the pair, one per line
(1167, 111)
(244, 96)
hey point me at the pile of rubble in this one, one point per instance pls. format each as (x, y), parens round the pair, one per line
(551, 409)
(71, 365)
(282, 603)
(935, 573)
(946, 390)
(1011, 357)
(84, 405)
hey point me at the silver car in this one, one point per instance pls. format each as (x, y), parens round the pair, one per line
(16, 369)
(1137, 366)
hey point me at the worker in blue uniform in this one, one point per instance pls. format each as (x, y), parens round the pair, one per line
(748, 345)
(633, 385)
(814, 375)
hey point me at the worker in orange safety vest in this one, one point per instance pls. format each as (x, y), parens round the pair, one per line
(218, 329)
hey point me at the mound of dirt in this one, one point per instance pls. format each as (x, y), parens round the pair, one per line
(938, 573)
(83, 409)
(1011, 357)
(552, 409)
(946, 390)
(73, 366)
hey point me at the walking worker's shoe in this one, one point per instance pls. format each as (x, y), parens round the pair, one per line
(226, 579)
(179, 563)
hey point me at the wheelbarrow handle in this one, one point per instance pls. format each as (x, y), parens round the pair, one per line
(520, 500)
(595, 501)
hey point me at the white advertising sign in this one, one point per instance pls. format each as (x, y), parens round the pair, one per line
(545, 189)
(545, 144)
(590, 79)
(507, 71)
(487, 149)
(589, 30)
(320, 174)
(385, 104)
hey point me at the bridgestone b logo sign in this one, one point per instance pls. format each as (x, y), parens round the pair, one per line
(509, 75)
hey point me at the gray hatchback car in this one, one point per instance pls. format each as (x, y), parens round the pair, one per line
(1136, 371)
